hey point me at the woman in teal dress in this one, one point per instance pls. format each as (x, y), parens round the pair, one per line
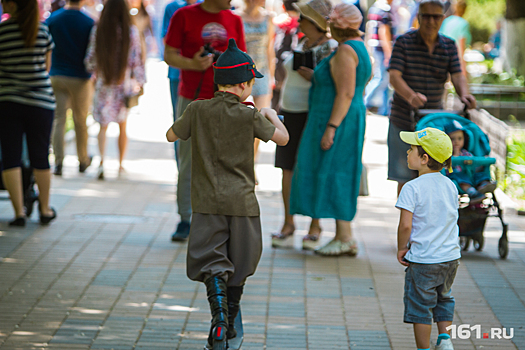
(328, 169)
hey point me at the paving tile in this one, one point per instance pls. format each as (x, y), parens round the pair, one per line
(105, 275)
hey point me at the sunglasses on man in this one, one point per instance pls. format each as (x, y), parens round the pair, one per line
(428, 16)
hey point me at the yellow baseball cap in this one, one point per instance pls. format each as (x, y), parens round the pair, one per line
(434, 141)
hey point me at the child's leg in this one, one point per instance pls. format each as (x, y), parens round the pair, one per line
(234, 301)
(208, 262)
(444, 310)
(244, 251)
(465, 187)
(216, 291)
(422, 335)
(442, 327)
(462, 179)
(419, 299)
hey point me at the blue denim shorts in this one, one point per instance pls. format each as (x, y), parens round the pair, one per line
(397, 156)
(428, 292)
(261, 86)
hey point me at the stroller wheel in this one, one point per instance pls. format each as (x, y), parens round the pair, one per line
(464, 243)
(479, 242)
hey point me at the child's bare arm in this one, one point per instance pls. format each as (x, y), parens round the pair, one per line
(403, 235)
(170, 135)
(280, 136)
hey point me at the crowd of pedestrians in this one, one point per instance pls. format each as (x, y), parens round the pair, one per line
(317, 64)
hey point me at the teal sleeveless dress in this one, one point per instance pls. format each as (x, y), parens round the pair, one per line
(325, 184)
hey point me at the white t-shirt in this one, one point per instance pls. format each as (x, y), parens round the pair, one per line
(433, 201)
(294, 96)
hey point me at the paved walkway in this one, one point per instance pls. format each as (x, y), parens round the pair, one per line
(106, 276)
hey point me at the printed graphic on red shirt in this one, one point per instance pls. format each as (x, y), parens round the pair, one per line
(214, 34)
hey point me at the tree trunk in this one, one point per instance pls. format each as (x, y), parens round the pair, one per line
(514, 32)
(515, 9)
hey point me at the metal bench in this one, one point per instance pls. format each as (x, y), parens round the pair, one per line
(499, 108)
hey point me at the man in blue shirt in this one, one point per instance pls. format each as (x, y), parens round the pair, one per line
(71, 82)
(183, 228)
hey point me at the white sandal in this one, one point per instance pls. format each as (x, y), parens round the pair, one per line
(281, 240)
(311, 241)
(338, 248)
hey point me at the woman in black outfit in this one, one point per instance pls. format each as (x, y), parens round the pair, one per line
(27, 103)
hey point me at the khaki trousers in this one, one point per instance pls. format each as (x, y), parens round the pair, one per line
(77, 94)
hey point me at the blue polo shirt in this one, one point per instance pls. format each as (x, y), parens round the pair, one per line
(424, 72)
(70, 30)
(171, 8)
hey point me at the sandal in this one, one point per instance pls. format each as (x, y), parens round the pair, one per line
(283, 239)
(45, 220)
(338, 248)
(311, 240)
(18, 222)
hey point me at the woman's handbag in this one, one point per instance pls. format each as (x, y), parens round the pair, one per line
(133, 100)
(132, 91)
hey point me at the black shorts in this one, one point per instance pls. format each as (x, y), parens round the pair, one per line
(285, 156)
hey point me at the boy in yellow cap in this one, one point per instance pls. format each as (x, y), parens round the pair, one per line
(427, 237)
(225, 241)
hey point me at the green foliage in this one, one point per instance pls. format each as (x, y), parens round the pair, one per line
(503, 78)
(482, 16)
(514, 183)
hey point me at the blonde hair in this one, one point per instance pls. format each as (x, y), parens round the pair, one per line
(249, 82)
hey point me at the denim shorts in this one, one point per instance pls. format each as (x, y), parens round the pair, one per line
(261, 86)
(428, 292)
(397, 156)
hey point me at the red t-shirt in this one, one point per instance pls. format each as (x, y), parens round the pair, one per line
(190, 28)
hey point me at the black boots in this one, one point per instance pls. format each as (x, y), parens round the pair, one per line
(217, 293)
(234, 299)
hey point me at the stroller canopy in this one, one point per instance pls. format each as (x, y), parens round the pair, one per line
(478, 142)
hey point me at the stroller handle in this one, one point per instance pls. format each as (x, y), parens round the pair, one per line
(416, 114)
(476, 161)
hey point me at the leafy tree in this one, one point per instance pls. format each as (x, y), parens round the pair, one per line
(482, 16)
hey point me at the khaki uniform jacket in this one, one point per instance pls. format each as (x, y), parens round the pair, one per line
(222, 130)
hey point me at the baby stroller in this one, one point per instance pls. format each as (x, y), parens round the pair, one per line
(28, 181)
(472, 217)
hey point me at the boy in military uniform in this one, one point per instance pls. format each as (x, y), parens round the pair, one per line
(225, 242)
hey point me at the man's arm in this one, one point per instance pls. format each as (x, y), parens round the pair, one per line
(173, 57)
(460, 84)
(415, 99)
(403, 235)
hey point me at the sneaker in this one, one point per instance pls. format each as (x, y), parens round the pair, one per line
(445, 344)
(100, 173)
(182, 232)
(83, 166)
(487, 186)
(475, 196)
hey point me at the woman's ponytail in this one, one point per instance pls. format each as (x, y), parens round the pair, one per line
(27, 17)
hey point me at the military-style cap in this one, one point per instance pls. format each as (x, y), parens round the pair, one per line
(234, 66)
